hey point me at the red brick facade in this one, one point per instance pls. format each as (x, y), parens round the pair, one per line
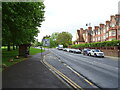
(104, 32)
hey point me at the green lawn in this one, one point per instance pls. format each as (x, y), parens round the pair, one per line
(34, 51)
(7, 55)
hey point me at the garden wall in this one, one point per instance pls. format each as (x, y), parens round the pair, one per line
(110, 51)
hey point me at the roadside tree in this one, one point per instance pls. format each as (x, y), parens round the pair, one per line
(64, 38)
(20, 21)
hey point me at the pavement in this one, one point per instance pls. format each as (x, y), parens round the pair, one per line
(117, 58)
(31, 74)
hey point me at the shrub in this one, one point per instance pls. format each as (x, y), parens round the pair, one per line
(98, 44)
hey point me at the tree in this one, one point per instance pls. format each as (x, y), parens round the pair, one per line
(20, 21)
(54, 36)
(64, 38)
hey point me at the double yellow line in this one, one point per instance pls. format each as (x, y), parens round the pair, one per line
(68, 80)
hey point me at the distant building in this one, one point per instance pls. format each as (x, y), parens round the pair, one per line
(79, 36)
(104, 32)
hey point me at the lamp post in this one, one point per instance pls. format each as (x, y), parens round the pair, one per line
(41, 50)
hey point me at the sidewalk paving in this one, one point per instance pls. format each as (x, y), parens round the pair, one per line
(113, 57)
(30, 74)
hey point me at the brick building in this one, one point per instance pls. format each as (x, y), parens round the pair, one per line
(79, 36)
(104, 32)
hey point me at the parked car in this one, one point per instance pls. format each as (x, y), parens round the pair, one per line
(64, 49)
(67, 49)
(96, 53)
(59, 48)
(72, 50)
(86, 51)
(77, 51)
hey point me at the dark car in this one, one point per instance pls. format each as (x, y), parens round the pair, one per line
(86, 51)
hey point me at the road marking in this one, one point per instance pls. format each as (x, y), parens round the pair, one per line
(73, 70)
(88, 82)
(81, 76)
(72, 83)
(95, 63)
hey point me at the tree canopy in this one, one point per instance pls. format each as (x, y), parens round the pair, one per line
(20, 21)
(64, 38)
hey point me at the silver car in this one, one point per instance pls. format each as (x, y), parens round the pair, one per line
(96, 53)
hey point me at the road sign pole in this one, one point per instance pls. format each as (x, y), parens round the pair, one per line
(41, 50)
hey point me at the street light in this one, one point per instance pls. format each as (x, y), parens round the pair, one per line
(41, 50)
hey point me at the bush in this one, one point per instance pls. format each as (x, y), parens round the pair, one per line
(98, 44)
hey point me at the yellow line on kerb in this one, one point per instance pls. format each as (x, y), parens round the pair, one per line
(88, 81)
(80, 75)
(72, 83)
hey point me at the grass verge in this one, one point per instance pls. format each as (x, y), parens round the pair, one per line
(11, 55)
(34, 51)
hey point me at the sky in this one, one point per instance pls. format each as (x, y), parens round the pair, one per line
(71, 15)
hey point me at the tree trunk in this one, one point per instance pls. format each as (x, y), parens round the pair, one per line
(8, 47)
(16, 46)
(13, 47)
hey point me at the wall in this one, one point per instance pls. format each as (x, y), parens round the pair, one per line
(110, 51)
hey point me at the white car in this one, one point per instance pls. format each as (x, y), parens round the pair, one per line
(77, 51)
(66, 49)
(72, 50)
(96, 53)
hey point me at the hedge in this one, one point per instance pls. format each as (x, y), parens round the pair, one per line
(98, 44)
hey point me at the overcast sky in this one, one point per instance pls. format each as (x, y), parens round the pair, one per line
(70, 15)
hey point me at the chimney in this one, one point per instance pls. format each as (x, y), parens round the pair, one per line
(111, 17)
(96, 27)
(107, 22)
(117, 15)
(102, 25)
(78, 32)
(81, 28)
(89, 28)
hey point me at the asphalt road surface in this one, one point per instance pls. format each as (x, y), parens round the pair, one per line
(101, 71)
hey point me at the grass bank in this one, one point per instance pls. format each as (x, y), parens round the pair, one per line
(9, 57)
(34, 51)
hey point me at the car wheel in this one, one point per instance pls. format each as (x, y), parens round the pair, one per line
(95, 55)
(89, 54)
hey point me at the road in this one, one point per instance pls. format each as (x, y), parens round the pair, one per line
(101, 71)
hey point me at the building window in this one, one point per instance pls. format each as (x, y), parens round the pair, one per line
(104, 30)
(93, 34)
(86, 33)
(110, 34)
(107, 28)
(98, 32)
(98, 38)
(106, 35)
(118, 32)
(113, 33)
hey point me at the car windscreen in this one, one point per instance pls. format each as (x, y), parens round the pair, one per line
(97, 50)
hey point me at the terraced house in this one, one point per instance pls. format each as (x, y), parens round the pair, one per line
(104, 32)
